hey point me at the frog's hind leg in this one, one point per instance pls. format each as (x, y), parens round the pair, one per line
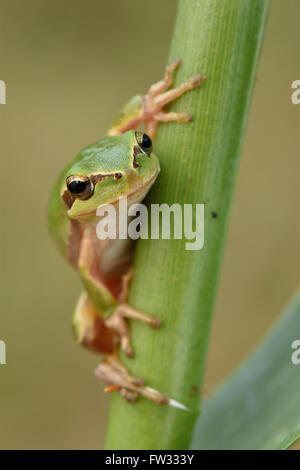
(108, 309)
(123, 311)
(90, 330)
(102, 335)
(94, 332)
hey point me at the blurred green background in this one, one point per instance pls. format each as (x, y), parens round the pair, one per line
(69, 66)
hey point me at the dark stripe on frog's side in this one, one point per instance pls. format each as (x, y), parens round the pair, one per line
(68, 199)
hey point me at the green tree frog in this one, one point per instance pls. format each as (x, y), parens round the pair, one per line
(120, 164)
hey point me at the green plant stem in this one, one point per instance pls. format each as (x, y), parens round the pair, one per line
(221, 39)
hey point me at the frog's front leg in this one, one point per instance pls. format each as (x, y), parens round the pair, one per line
(149, 108)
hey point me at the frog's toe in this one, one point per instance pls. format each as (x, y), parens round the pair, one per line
(126, 347)
(111, 370)
(128, 395)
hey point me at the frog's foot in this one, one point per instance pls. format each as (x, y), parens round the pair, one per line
(117, 322)
(157, 98)
(112, 371)
(148, 108)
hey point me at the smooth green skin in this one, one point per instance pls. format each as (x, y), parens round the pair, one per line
(110, 155)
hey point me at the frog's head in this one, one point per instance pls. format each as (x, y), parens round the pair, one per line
(113, 167)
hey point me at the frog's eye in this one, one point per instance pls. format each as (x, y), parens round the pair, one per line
(80, 186)
(144, 142)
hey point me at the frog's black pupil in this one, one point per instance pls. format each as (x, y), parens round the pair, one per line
(77, 186)
(147, 143)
